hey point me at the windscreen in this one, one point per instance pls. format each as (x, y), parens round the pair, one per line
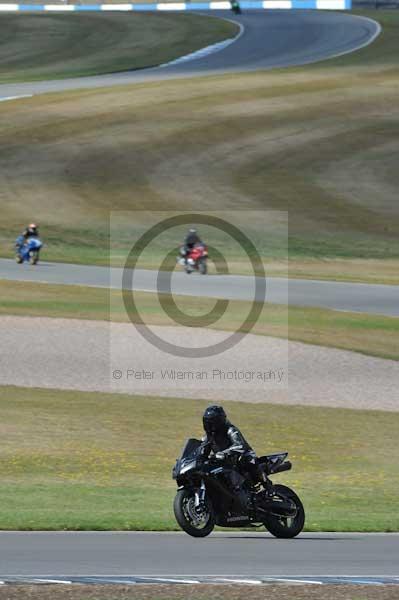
(190, 447)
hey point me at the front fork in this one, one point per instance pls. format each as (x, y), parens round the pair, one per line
(200, 494)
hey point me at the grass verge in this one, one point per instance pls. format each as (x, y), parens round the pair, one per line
(63, 453)
(56, 46)
(369, 334)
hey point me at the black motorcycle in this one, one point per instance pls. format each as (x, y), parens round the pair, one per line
(235, 7)
(213, 493)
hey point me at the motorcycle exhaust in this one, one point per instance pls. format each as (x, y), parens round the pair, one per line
(281, 508)
(285, 466)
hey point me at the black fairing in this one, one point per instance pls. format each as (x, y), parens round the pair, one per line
(190, 447)
(224, 485)
(190, 450)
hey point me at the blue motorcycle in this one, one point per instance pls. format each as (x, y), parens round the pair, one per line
(28, 250)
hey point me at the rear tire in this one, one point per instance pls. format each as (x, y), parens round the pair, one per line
(183, 507)
(34, 258)
(286, 527)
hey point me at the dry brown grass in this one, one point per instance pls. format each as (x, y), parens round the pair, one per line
(204, 592)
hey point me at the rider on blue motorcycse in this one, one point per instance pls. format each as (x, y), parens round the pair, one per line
(31, 231)
(25, 241)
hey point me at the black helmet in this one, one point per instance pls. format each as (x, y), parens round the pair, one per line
(214, 419)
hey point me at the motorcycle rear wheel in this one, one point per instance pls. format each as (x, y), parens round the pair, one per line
(34, 258)
(286, 527)
(184, 510)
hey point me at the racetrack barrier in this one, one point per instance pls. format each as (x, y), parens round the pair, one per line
(182, 6)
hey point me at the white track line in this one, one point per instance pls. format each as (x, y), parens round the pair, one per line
(51, 581)
(171, 580)
(105, 580)
(366, 582)
(209, 49)
(287, 580)
(8, 98)
(364, 45)
(234, 580)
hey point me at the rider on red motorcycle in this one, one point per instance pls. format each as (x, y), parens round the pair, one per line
(192, 238)
(193, 253)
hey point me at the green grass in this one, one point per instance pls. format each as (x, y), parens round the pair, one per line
(368, 334)
(73, 460)
(56, 46)
(319, 142)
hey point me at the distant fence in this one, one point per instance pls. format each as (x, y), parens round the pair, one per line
(375, 4)
(179, 6)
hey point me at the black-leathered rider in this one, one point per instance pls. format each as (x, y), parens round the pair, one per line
(224, 441)
(192, 238)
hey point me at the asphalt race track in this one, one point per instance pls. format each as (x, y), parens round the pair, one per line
(357, 297)
(270, 39)
(255, 557)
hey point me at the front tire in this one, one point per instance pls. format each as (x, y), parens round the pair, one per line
(203, 269)
(286, 527)
(192, 521)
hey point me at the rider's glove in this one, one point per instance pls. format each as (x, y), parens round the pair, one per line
(220, 456)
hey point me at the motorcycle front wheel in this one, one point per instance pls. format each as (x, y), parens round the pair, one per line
(286, 527)
(196, 521)
(203, 269)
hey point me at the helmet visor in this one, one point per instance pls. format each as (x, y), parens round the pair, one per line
(213, 424)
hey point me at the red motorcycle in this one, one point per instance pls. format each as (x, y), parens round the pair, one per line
(194, 259)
